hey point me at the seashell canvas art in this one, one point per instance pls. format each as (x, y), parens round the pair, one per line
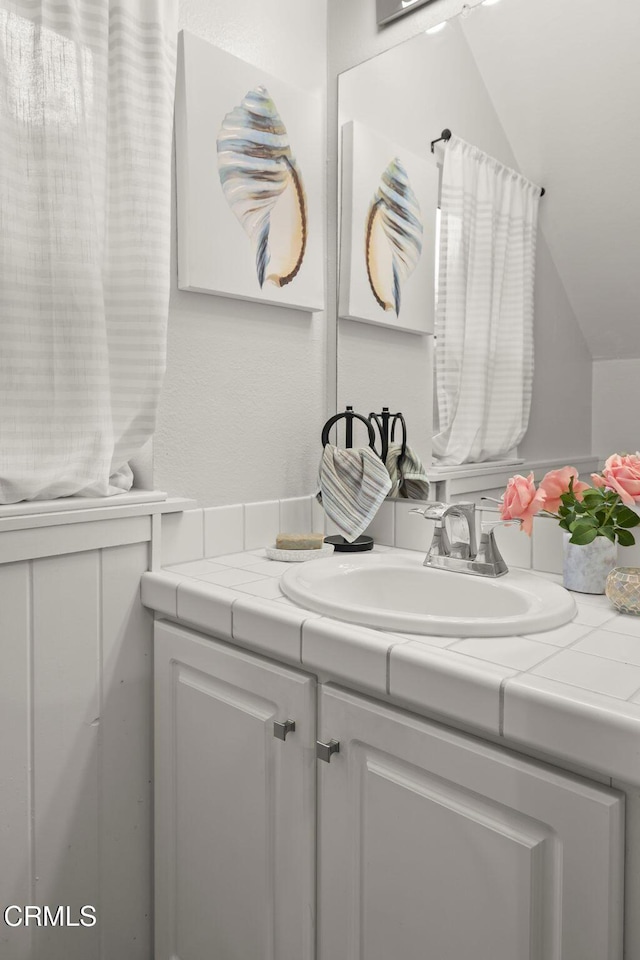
(249, 175)
(393, 236)
(387, 232)
(263, 186)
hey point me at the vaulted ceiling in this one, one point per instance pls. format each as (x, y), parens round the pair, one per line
(564, 78)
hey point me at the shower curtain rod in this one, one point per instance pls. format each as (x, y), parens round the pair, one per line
(446, 135)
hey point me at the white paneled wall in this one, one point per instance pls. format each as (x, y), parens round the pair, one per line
(75, 749)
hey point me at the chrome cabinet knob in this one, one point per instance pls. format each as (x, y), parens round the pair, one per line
(324, 751)
(280, 730)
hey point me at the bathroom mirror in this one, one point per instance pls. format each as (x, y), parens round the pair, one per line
(550, 89)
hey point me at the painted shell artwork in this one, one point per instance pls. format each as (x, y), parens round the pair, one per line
(393, 236)
(263, 186)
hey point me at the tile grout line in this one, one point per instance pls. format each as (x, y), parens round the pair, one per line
(501, 690)
(501, 695)
(635, 692)
(396, 643)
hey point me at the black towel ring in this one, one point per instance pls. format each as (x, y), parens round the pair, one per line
(349, 416)
(382, 421)
(403, 448)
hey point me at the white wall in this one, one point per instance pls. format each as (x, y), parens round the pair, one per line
(412, 93)
(244, 395)
(616, 406)
(560, 421)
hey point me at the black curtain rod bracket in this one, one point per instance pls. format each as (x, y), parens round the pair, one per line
(446, 136)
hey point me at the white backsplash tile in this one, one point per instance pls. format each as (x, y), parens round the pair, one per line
(412, 531)
(182, 537)
(330, 528)
(382, 527)
(547, 545)
(513, 543)
(295, 515)
(223, 530)
(318, 519)
(261, 524)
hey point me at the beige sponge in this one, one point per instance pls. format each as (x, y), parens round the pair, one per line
(299, 541)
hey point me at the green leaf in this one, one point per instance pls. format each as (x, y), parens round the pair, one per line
(564, 524)
(609, 533)
(593, 493)
(626, 517)
(587, 521)
(625, 538)
(583, 533)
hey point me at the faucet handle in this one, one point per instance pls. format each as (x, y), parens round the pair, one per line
(488, 526)
(433, 510)
(488, 551)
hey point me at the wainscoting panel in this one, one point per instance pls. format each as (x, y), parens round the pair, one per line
(75, 752)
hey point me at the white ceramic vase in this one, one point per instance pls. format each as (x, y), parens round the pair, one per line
(585, 568)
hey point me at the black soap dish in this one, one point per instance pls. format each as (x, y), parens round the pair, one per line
(359, 545)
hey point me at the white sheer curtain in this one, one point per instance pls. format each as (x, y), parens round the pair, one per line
(86, 107)
(484, 317)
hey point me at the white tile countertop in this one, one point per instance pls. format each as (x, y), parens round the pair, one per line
(573, 692)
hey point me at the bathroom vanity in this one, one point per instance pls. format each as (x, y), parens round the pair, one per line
(326, 790)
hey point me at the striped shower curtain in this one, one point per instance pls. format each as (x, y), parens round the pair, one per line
(86, 105)
(484, 316)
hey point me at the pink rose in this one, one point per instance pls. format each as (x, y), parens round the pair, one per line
(521, 501)
(622, 474)
(556, 482)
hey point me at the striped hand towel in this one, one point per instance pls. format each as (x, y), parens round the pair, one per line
(408, 477)
(353, 483)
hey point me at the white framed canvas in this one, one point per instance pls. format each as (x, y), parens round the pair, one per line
(387, 232)
(249, 181)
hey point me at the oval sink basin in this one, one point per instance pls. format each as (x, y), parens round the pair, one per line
(398, 593)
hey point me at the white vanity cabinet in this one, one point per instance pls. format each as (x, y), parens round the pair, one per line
(435, 844)
(234, 803)
(430, 843)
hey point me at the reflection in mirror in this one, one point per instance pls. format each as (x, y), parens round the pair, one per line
(548, 90)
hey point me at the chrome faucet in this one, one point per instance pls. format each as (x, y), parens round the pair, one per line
(463, 556)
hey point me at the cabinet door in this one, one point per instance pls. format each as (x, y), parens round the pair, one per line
(437, 846)
(234, 805)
